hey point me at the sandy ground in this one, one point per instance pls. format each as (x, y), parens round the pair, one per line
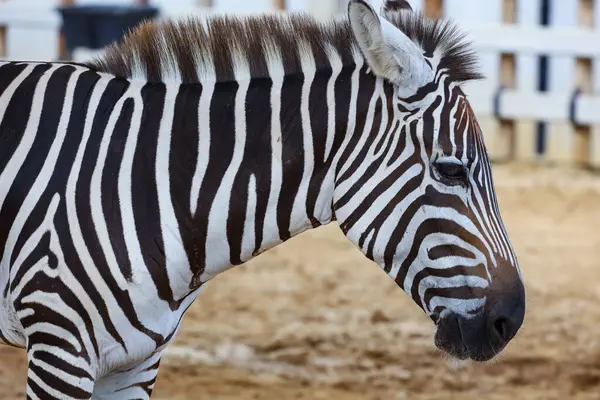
(313, 319)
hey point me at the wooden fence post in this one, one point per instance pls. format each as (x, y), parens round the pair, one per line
(583, 82)
(433, 8)
(504, 137)
(527, 13)
(593, 10)
(560, 133)
(2, 42)
(62, 47)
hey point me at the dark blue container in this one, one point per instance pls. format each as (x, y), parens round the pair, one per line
(97, 26)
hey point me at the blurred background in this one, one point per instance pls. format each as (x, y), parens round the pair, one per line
(313, 319)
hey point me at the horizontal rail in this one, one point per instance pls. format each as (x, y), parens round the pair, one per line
(541, 106)
(573, 42)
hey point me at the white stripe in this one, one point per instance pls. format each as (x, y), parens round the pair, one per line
(336, 66)
(354, 86)
(323, 209)
(455, 281)
(176, 260)
(299, 218)
(203, 143)
(97, 211)
(249, 236)
(271, 229)
(217, 248)
(124, 186)
(463, 307)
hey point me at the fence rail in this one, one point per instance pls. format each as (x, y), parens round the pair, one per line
(559, 41)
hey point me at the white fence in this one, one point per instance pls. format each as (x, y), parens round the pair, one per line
(541, 96)
(543, 82)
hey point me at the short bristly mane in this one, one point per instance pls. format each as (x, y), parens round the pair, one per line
(211, 48)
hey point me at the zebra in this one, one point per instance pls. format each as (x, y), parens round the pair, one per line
(193, 145)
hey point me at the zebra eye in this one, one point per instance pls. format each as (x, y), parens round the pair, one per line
(452, 173)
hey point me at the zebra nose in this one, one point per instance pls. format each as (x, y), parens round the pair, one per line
(504, 323)
(505, 305)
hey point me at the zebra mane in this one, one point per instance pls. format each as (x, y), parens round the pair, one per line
(220, 47)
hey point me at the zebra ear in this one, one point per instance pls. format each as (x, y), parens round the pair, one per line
(388, 51)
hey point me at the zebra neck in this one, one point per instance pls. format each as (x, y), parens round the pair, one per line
(266, 164)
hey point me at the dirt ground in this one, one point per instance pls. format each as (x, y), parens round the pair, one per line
(313, 319)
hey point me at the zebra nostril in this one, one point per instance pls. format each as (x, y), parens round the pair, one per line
(502, 329)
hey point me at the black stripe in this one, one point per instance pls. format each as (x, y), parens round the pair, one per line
(183, 159)
(317, 100)
(366, 91)
(292, 150)
(429, 125)
(8, 73)
(444, 133)
(478, 270)
(258, 141)
(389, 111)
(110, 187)
(343, 96)
(448, 250)
(222, 139)
(144, 189)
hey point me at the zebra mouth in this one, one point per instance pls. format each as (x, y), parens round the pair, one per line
(449, 336)
(464, 338)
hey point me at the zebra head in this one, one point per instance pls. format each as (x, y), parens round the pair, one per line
(422, 203)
